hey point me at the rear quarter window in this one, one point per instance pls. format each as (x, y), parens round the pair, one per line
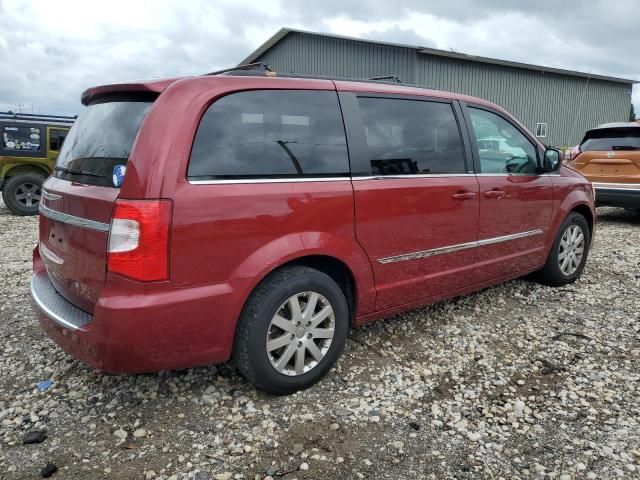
(271, 134)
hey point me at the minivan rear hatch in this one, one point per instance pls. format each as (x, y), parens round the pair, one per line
(611, 155)
(79, 197)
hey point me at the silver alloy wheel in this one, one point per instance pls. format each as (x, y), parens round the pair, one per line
(571, 250)
(28, 194)
(300, 333)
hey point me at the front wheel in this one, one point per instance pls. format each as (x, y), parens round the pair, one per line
(569, 252)
(292, 330)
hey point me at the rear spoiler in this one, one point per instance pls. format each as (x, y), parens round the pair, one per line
(152, 87)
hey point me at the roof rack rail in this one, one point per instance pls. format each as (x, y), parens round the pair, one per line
(393, 78)
(257, 68)
(11, 115)
(389, 80)
(263, 69)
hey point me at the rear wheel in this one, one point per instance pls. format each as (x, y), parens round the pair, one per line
(292, 330)
(21, 193)
(569, 252)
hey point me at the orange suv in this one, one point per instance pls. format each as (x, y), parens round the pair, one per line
(609, 156)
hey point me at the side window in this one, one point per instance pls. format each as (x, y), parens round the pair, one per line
(271, 133)
(20, 139)
(56, 139)
(501, 146)
(411, 137)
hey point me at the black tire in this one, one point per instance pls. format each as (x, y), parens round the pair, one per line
(250, 350)
(551, 274)
(16, 187)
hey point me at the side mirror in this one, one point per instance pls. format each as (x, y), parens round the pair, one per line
(552, 160)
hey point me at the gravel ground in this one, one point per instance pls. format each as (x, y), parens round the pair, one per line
(516, 381)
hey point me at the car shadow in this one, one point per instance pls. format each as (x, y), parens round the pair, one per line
(618, 215)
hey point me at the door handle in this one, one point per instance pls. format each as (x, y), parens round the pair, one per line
(463, 195)
(498, 194)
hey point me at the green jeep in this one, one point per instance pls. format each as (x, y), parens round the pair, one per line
(28, 150)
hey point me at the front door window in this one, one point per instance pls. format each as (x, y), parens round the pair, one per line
(502, 148)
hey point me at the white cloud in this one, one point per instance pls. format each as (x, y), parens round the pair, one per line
(50, 53)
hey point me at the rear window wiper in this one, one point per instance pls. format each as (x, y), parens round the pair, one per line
(74, 171)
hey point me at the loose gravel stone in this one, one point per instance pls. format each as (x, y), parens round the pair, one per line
(48, 470)
(516, 381)
(139, 433)
(34, 437)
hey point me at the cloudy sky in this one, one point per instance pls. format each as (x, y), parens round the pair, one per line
(51, 51)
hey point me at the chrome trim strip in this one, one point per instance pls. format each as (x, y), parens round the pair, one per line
(428, 253)
(268, 180)
(507, 238)
(50, 313)
(617, 186)
(425, 175)
(459, 247)
(73, 220)
(50, 196)
(539, 174)
(367, 177)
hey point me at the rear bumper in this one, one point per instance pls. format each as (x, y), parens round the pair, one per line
(617, 195)
(130, 332)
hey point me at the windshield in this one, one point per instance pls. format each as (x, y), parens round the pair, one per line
(100, 140)
(607, 140)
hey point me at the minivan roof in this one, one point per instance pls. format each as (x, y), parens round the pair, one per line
(157, 86)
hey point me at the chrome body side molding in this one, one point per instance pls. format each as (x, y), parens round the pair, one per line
(459, 247)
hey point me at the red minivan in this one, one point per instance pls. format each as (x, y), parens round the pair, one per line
(240, 215)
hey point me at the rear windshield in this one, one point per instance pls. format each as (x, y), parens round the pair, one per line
(100, 140)
(607, 140)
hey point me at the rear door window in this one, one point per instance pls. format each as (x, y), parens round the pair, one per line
(411, 137)
(100, 139)
(606, 140)
(271, 134)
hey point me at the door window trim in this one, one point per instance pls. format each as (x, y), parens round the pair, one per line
(475, 151)
(357, 141)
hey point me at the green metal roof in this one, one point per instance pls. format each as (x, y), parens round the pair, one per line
(283, 32)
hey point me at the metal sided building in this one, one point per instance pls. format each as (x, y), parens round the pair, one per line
(557, 105)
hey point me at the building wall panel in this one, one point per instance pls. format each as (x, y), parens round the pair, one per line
(570, 105)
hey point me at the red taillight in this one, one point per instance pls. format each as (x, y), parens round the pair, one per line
(139, 239)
